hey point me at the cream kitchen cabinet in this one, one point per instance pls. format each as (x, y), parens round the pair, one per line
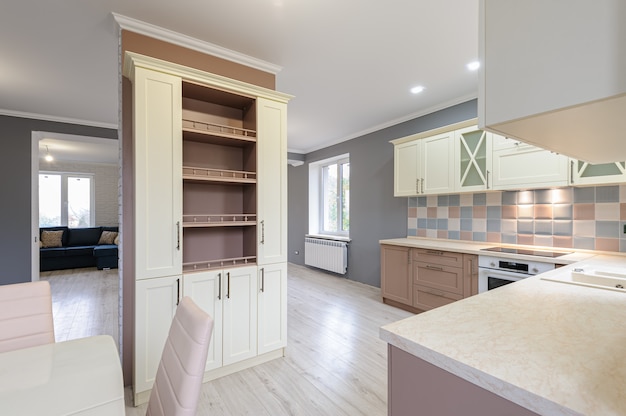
(209, 162)
(583, 173)
(155, 305)
(158, 166)
(424, 165)
(272, 307)
(552, 74)
(472, 159)
(517, 165)
(272, 181)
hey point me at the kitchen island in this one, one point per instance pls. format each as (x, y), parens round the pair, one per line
(546, 347)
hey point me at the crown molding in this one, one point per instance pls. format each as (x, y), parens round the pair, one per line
(166, 35)
(67, 120)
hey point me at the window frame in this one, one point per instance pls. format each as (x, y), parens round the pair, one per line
(317, 196)
(64, 194)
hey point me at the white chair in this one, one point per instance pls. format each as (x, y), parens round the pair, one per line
(25, 315)
(178, 380)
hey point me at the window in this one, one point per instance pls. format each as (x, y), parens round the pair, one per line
(66, 199)
(329, 182)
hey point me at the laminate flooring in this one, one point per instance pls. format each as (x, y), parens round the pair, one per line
(335, 362)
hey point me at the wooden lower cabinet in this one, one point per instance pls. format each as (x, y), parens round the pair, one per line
(417, 279)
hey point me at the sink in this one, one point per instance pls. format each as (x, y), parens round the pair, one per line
(604, 278)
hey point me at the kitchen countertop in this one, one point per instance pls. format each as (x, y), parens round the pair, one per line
(553, 348)
(472, 247)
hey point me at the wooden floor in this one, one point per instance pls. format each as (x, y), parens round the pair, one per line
(335, 363)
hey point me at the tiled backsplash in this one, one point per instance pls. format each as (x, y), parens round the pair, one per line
(590, 218)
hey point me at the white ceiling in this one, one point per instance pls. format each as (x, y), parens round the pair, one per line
(349, 63)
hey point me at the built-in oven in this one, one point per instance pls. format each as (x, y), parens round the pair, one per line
(494, 271)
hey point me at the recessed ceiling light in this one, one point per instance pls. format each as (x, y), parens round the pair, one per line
(417, 90)
(473, 66)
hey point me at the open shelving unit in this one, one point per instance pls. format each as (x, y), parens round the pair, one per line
(219, 179)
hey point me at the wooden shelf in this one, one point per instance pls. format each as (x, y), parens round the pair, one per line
(217, 133)
(201, 266)
(217, 175)
(219, 220)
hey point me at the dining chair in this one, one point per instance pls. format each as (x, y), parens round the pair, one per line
(25, 315)
(178, 381)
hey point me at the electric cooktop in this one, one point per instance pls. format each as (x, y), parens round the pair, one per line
(527, 252)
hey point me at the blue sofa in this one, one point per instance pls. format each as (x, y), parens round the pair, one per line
(78, 247)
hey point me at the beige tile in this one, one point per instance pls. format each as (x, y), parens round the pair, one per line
(508, 226)
(584, 211)
(467, 200)
(526, 211)
(543, 240)
(526, 197)
(584, 228)
(412, 223)
(442, 212)
(431, 233)
(494, 198)
(479, 225)
(421, 212)
(608, 211)
(431, 201)
(454, 224)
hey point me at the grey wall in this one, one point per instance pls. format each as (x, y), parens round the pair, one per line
(15, 188)
(375, 213)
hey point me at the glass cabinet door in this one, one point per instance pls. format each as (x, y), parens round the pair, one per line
(473, 152)
(584, 173)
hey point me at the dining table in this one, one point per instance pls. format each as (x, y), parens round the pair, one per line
(77, 377)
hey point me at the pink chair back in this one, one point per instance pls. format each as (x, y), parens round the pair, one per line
(25, 315)
(179, 376)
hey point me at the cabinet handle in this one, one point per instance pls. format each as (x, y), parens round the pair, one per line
(262, 231)
(228, 285)
(437, 268)
(177, 291)
(219, 286)
(571, 171)
(435, 252)
(178, 235)
(488, 179)
(262, 279)
(422, 180)
(417, 186)
(435, 292)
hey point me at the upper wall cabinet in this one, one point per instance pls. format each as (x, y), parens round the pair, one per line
(517, 165)
(424, 165)
(552, 75)
(472, 159)
(583, 173)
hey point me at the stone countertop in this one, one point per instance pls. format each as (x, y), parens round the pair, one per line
(473, 247)
(553, 348)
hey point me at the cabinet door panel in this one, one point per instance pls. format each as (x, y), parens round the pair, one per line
(584, 173)
(445, 278)
(240, 314)
(205, 289)
(426, 298)
(158, 174)
(272, 307)
(406, 168)
(528, 167)
(437, 167)
(272, 181)
(472, 159)
(396, 282)
(155, 306)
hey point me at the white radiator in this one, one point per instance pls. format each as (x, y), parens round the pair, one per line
(331, 255)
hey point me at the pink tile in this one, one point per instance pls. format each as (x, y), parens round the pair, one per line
(622, 211)
(480, 212)
(526, 239)
(412, 212)
(509, 212)
(526, 212)
(609, 211)
(421, 232)
(455, 212)
(543, 240)
(584, 212)
(493, 237)
(607, 244)
(543, 212)
(442, 234)
(563, 242)
(431, 212)
(466, 235)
